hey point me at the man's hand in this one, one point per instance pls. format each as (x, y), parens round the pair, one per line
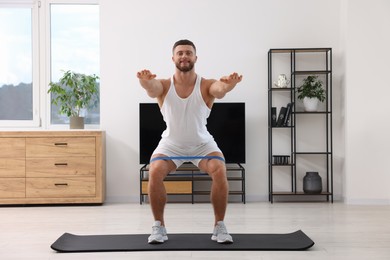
(232, 79)
(148, 81)
(219, 88)
(145, 75)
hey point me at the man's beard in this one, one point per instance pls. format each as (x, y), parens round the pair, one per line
(186, 68)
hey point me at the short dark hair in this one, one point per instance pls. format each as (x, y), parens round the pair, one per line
(183, 42)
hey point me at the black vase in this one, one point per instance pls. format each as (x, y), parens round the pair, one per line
(312, 183)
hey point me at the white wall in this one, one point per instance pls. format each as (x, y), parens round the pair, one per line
(230, 35)
(367, 97)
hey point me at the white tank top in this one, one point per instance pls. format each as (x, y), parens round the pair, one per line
(186, 118)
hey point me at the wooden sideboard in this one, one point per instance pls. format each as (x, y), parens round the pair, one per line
(52, 167)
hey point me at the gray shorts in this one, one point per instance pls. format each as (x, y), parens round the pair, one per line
(170, 150)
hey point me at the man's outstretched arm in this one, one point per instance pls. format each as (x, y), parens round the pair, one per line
(148, 81)
(219, 88)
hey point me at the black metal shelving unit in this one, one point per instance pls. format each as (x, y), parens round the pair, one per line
(295, 58)
(189, 173)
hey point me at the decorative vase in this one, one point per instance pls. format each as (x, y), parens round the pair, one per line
(310, 104)
(312, 183)
(76, 122)
(282, 82)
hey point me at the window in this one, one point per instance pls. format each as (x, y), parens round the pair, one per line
(18, 65)
(39, 40)
(74, 40)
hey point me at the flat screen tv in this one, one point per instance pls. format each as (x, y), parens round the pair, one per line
(226, 123)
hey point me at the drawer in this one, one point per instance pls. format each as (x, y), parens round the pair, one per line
(12, 167)
(60, 187)
(60, 167)
(12, 188)
(60, 146)
(172, 187)
(12, 147)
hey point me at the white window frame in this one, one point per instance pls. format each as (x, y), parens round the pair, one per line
(47, 77)
(41, 62)
(35, 121)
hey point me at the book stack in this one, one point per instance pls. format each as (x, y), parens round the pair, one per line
(281, 159)
(283, 119)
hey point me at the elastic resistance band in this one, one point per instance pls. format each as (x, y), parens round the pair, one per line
(186, 158)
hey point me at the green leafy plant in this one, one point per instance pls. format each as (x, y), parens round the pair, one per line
(74, 91)
(311, 88)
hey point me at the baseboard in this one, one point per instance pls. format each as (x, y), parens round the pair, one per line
(363, 201)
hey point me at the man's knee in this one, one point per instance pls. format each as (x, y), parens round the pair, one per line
(217, 170)
(159, 170)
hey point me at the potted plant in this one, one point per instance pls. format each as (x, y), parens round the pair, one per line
(311, 91)
(73, 92)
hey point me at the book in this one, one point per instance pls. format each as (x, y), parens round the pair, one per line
(273, 116)
(282, 115)
(288, 114)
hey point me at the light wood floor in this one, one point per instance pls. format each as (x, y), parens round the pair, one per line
(339, 231)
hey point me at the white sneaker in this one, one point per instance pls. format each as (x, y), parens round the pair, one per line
(221, 234)
(159, 234)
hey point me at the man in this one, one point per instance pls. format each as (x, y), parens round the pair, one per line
(185, 101)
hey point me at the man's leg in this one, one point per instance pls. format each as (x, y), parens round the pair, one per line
(219, 196)
(219, 187)
(158, 197)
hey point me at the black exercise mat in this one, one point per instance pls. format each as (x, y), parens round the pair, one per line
(68, 243)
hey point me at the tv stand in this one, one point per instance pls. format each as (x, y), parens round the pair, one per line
(189, 181)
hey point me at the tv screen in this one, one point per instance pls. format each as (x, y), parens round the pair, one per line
(226, 123)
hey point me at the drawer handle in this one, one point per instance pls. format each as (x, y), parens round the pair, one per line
(60, 184)
(60, 144)
(61, 164)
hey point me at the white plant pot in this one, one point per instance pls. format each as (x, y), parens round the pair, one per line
(310, 104)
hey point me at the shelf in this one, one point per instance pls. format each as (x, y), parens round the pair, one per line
(189, 177)
(280, 89)
(182, 181)
(314, 112)
(299, 63)
(309, 72)
(284, 127)
(301, 193)
(319, 153)
(189, 167)
(282, 164)
(299, 50)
